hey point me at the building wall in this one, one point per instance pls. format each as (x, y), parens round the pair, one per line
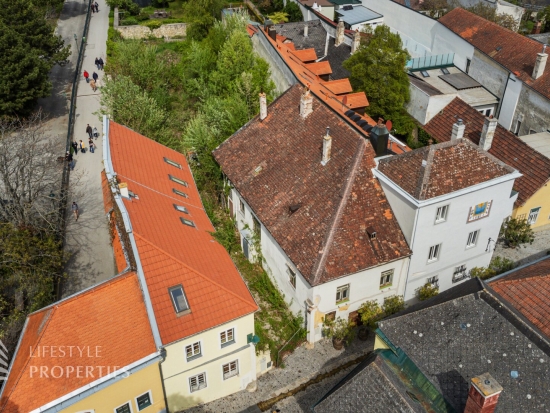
(423, 107)
(371, 23)
(328, 12)
(176, 370)
(402, 208)
(489, 73)
(541, 199)
(534, 110)
(508, 105)
(125, 390)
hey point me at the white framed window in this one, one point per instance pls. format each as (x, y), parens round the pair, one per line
(145, 400)
(386, 279)
(460, 273)
(342, 294)
(171, 162)
(197, 382)
(230, 369)
(193, 351)
(533, 215)
(241, 206)
(227, 337)
(291, 277)
(472, 239)
(433, 255)
(433, 280)
(441, 214)
(124, 408)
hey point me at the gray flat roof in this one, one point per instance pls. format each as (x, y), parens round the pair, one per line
(359, 14)
(539, 142)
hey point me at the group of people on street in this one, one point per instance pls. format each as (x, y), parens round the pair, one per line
(99, 63)
(93, 81)
(95, 7)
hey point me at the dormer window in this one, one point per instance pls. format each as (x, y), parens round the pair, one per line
(171, 162)
(177, 180)
(424, 73)
(181, 208)
(178, 299)
(183, 194)
(371, 232)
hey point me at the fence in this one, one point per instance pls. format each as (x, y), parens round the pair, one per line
(430, 62)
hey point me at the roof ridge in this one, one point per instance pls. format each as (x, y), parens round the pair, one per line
(530, 277)
(339, 212)
(421, 191)
(194, 270)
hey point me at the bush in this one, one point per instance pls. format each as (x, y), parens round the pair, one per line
(393, 304)
(153, 24)
(517, 231)
(294, 12)
(428, 290)
(497, 266)
(142, 17)
(340, 329)
(130, 21)
(370, 312)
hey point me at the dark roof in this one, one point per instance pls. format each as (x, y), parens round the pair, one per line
(326, 237)
(424, 86)
(515, 52)
(507, 147)
(440, 169)
(344, 2)
(460, 81)
(527, 289)
(455, 337)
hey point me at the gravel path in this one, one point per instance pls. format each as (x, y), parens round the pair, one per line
(526, 253)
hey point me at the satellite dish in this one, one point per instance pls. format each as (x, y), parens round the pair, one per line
(389, 124)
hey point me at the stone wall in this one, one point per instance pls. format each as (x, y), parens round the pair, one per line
(143, 32)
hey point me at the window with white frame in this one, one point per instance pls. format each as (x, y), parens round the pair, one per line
(441, 214)
(533, 215)
(342, 294)
(193, 351)
(230, 369)
(125, 408)
(291, 277)
(227, 337)
(197, 382)
(386, 279)
(460, 273)
(433, 280)
(433, 255)
(472, 239)
(241, 206)
(144, 401)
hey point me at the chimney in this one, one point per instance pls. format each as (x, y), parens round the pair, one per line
(540, 64)
(356, 42)
(536, 29)
(263, 106)
(306, 103)
(327, 146)
(271, 32)
(123, 188)
(379, 136)
(458, 130)
(488, 133)
(339, 33)
(305, 30)
(483, 395)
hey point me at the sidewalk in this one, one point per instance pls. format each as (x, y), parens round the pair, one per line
(88, 240)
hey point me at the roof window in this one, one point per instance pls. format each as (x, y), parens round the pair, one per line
(171, 162)
(177, 180)
(178, 298)
(445, 71)
(424, 73)
(181, 208)
(187, 222)
(183, 194)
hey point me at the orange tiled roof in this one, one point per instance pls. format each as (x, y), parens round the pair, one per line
(320, 68)
(104, 318)
(172, 253)
(354, 100)
(339, 87)
(306, 55)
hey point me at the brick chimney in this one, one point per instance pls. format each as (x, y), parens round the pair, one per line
(540, 64)
(458, 130)
(327, 146)
(483, 395)
(306, 103)
(339, 33)
(263, 106)
(488, 133)
(356, 42)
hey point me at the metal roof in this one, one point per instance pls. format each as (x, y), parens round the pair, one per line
(359, 14)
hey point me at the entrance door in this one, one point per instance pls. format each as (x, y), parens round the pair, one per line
(245, 248)
(533, 215)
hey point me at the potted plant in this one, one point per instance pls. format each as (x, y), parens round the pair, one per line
(370, 312)
(341, 331)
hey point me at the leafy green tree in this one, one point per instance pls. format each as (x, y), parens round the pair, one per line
(490, 13)
(544, 16)
(202, 14)
(294, 12)
(497, 266)
(517, 231)
(378, 69)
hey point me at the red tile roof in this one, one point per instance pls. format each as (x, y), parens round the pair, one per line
(507, 147)
(354, 100)
(339, 86)
(320, 68)
(306, 55)
(173, 253)
(104, 318)
(528, 290)
(326, 237)
(517, 53)
(440, 169)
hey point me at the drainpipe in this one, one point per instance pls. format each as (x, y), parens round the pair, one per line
(162, 351)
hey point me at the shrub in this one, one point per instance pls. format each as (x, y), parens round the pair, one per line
(428, 290)
(130, 21)
(370, 312)
(393, 304)
(497, 266)
(142, 17)
(153, 24)
(517, 231)
(340, 329)
(294, 12)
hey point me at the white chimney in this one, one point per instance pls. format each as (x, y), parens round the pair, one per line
(339, 33)
(327, 146)
(305, 30)
(123, 188)
(488, 133)
(540, 65)
(306, 103)
(263, 106)
(356, 42)
(458, 130)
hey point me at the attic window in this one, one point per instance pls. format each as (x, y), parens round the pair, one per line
(424, 73)
(181, 208)
(183, 194)
(445, 71)
(171, 162)
(178, 299)
(372, 232)
(293, 208)
(177, 180)
(187, 222)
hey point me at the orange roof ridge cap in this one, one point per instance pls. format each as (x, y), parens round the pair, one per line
(198, 272)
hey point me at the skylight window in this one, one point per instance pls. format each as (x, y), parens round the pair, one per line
(424, 73)
(177, 180)
(181, 208)
(445, 71)
(178, 299)
(183, 194)
(187, 222)
(171, 162)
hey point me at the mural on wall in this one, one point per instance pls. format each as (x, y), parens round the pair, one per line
(479, 211)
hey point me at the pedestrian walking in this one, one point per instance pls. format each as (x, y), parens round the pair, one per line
(96, 7)
(87, 76)
(69, 159)
(91, 145)
(96, 135)
(95, 76)
(74, 208)
(82, 147)
(92, 6)
(93, 85)
(89, 130)
(101, 63)
(97, 63)
(75, 147)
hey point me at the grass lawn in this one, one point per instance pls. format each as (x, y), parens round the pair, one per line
(174, 8)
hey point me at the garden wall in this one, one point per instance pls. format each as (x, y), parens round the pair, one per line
(143, 32)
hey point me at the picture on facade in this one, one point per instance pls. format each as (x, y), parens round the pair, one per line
(479, 211)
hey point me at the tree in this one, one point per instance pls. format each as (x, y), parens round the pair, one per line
(202, 14)
(378, 69)
(517, 231)
(544, 16)
(294, 12)
(490, 13)
(497, 266)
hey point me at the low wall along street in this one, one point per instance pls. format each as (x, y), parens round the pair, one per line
(142, 32)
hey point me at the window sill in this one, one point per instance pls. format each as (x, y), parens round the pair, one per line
(228, 343)
(440, 221)
(230, 377)
(197, 356)
(182, 313)
(432, 261)
(469, 247)
(342, 302)
(385, 286)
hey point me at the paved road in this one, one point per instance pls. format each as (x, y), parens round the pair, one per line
(87, 241)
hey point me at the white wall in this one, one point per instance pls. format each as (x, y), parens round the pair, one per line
(509, 102)
(423, 107)
(371, 23)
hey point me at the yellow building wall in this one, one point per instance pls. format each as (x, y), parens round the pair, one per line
(541, 198)
(106, 400)
(379, 343)
(176, 370)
